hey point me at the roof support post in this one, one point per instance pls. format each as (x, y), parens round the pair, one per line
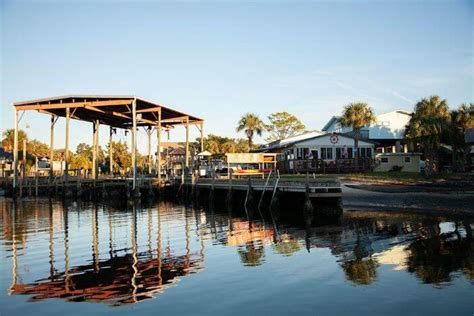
(186, 162)
(51, 150)
(66, 150)
(148, 132)
(158, 149)
(15, 154)
(202, 136)
(95, 147)
(23, 168)
(134, 143)
(111, 158)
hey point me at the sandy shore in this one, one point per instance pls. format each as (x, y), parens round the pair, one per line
(408, 198)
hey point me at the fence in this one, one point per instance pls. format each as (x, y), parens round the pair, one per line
(321, 166)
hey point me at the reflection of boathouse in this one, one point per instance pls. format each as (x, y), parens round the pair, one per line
(126, 276)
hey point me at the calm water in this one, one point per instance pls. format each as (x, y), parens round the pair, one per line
(167, 258)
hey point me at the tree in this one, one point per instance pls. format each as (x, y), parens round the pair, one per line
(283, 125)
(357, 115)
(121, 155)
(36, 148)
(461, 120)
(251, 124)
(241, 146)
(427, 125)
(9, 139)
(222, 145)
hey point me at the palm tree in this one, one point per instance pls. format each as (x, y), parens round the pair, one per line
(357, 115)
(9, 139)
(426, 128)
(461, 120)
(251, 124)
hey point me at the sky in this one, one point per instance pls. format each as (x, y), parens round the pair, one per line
(219, 60)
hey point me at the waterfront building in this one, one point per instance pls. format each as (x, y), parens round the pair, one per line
(326, 152)
(388, 130)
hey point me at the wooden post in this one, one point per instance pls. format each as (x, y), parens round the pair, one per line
(51, 150)
(66, 150)
(134, 140)
(23, 168)
(202, 137)
(186, 162)
(15, 153)
(111, 159)
(148, 132)
(95, 147)
(94, 158)
(36, 176)
(158, 150)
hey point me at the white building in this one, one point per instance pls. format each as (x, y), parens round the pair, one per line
(388, 130)
(330, 151)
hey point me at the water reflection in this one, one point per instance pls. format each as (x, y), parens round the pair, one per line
(121, 255)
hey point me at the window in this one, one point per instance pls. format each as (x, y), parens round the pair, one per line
(384, 160)
(300, 153)
(407, 159)
(365, 152)
(383, 123)
(326, 153)
(349, 153)
(338, 153)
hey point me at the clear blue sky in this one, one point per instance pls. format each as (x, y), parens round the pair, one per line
(220, 60)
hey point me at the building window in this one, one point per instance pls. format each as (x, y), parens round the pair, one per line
(299, 153)
(384, 160)
(383, 123)
(407, 159)
(326, 153)
(338, 153)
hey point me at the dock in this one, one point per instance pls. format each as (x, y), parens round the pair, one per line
(319, 188)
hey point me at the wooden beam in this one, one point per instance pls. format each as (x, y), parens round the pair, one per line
(177, 119)
(71, 105)
(46, 112)
(184, 123)
(118, 114)
(93, 108)
(154, 109)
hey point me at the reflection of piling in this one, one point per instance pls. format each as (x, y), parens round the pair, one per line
(14, 250)
(51, 241)
(211, 192)
(308, 210)
(250, 194)
(95, 239)
(229, 191)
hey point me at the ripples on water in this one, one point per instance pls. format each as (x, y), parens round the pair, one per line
(227, 264)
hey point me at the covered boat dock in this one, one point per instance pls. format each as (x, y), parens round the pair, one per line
(117, 112)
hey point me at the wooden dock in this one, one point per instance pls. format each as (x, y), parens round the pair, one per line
(317, 188)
